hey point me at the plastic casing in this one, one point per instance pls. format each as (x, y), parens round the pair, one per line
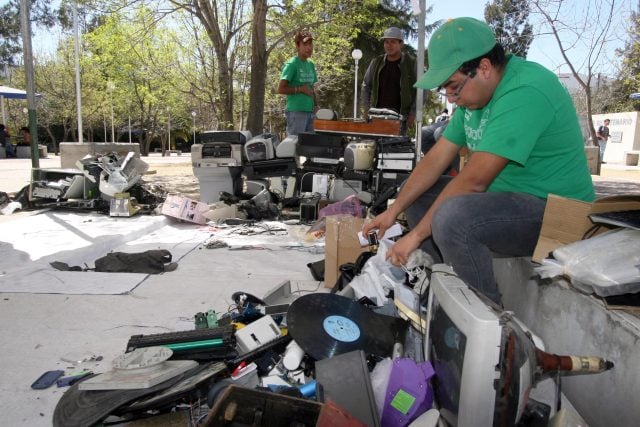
(482, 330)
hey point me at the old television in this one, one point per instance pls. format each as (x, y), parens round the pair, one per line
(484, 362)
(261, 147)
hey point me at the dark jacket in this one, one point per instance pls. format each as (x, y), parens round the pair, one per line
(408, 79)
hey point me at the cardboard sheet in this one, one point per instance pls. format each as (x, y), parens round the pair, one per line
(341, 245)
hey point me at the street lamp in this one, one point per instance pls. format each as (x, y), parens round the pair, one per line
(193, 114)
(356, 54)
(168, 130)
(110, 87)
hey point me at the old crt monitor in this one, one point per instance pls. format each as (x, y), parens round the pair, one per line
(483, 371)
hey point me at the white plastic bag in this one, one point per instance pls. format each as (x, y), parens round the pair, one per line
(378, 276)
(607, 264)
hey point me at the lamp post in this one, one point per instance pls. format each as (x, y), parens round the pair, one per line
(356, 54)
(168, 131)
(193, 114)
(110, 87)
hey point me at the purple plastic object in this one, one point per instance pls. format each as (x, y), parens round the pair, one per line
(349, 206)
(408, 393)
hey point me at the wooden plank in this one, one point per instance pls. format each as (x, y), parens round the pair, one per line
(375, 127)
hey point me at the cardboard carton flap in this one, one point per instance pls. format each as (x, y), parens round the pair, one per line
(623, 202)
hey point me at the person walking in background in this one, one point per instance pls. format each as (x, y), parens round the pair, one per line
(389, 79)
(297, 79)
(603, 137)
(26, 137)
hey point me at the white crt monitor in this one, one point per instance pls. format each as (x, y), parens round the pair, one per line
(464, 343)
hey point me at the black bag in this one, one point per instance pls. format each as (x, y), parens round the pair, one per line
(150, 262)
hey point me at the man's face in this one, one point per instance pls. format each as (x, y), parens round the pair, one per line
(472, 90)
(305, 50)
(457, 89)
(393, 47)
(606, 122)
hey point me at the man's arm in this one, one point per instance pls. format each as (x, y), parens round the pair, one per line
(366, 89)
(285, 89)
(425, 174)
(475, 177)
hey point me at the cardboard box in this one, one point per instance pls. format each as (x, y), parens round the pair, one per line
(567, 220)
(184, 208)
(341, 245)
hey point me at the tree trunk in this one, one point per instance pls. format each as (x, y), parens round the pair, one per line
(226, 90)
(259, 55)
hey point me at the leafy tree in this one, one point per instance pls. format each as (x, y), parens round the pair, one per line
(628, 81)
(132, 65)
(509, 19)
(590, 31)
(10, 35)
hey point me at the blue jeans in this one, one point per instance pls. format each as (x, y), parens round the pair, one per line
(468, 229)
(602, 145)
(299, 121)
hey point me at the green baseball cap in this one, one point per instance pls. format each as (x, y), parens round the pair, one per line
(452, 44)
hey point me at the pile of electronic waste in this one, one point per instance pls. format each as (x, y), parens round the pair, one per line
(101, 182)
(301, 173)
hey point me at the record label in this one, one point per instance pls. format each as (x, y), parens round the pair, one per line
(341, 328)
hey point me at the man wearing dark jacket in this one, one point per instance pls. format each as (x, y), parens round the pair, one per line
(388, 82)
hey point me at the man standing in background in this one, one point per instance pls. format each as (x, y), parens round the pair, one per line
(603, 137)
(388, 82)
(296, 82)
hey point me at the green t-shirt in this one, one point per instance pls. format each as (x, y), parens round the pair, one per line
(299, 73)
(531, 121)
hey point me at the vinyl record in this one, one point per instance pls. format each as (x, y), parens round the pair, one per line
(325, 325)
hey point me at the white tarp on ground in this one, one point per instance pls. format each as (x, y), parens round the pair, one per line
(28, 246)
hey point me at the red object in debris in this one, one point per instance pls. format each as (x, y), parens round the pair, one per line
(239, 368)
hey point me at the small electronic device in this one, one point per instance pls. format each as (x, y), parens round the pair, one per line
(477, 382)
(360, 155)
(239, 137)
(396, 161)
(326, 114)
(47, 379)
(269, 168)
(256, 334)
(320, 146)
(216, 154)
(340, 189)
(260, 147)
(309, 207)
(287, 147)
(276, 310)
(396, 153)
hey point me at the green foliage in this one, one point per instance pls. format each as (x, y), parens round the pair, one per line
(509, 19)
(10, 32)
(339, 27)
(628, 81)
(132, 63)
